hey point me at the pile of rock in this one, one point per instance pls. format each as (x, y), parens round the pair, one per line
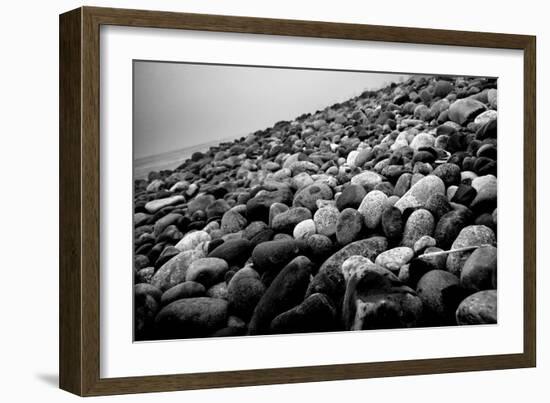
(379, 212)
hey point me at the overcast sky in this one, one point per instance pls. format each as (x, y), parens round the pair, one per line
(178, 105)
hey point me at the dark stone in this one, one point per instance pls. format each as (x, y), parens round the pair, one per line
(438, 205)
(449, 174)
(188, 289)
(274, 255)
(464, 195)
(315, 314)
(168, 253)
(286, 291)
(286, 221)
(449, 226)
(257, 208)
(488, 130)
(244, 290)
(308, 196)
(349, 226)
(234, 252)
(392, 223)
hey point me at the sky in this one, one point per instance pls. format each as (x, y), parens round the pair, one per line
(179, 105)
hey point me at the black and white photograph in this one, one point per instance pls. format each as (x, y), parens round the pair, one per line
(273, 200)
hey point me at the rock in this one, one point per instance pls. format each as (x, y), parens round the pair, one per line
(464, 110)
(367, 179)
(200, 203)
(319, 247)
(286, 291)
(392, 223)
(372, 207)
(485, 117)
(440, 294)
(326, 220)
(155, 205)
(308, 196)
(464, 195)
(174, 271)
(393, 259)
(449, 226)
(424, 242)
(217, 209)
(243, 292)
(301, 180)
(422, 140)
(472, 235)
(438, 205)
(480, 269)
(315, 314)
(192, 240)
(218, 290)
(420, 192)
(192, 317)
(232, 222)
(403, 184)
(155, 185)
(304, 229)
(420, 223)
(486, 197)
(449, 173)
(376, 301)
(146, 305)
(188, 289)
(349, 226)
(478, 309)
(234, 252)
(329, 279)
(145, 275)
(258, 208)
(274, 255)
(351, 197)
(492, 97)
(286, 221)
(253, 229)
(207, 271)
(443, 88)
(164, 222)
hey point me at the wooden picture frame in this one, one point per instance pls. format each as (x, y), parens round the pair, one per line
(79, 201)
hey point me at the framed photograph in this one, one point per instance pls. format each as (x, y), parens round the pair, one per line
(249, 201)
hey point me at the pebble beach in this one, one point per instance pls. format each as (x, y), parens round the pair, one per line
(375, 213)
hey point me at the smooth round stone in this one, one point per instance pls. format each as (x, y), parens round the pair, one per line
(286, 221)
(449, 173)
(258, 208)
(285, 292)
(217, 209)
(146, 306)
(145, 275)
(451, 190)
(308, 196)
(352, 157)
(304, 229)
(424, 242)
(372, 207)
(218, 290)
(480, 269)
(192, 240)
(207, 271)
(243, 292)
(320, 247)
(420, 192)
(492, 97)
(363, 156)
(355, 265)
(329, 279)
(155, 185)
(301, 180)
(472, 235)
(164, 222)
(232, 222)
(478, 309)
(200, 203)
(276, 209)
(392, 223)
(393, 259)
(438, 205)
(326, 220)
(188, 289)
(141, 289)
(422, 140)
(486, 197)
(402, 185)
(464, 195)
(315, 314)
(486, 117)
(303, 166)
(438, 290)
(141, 261)
(420, 223)
(274, 255)
(464, 110)
(367, 179)
(449, 226)
(155, 205)
(349, 226)
(192, 317)
(234, 251)
(253, 229)
(443, 88)
(351, 197)
(174, 271)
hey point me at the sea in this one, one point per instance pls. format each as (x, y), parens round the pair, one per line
(171, 159)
